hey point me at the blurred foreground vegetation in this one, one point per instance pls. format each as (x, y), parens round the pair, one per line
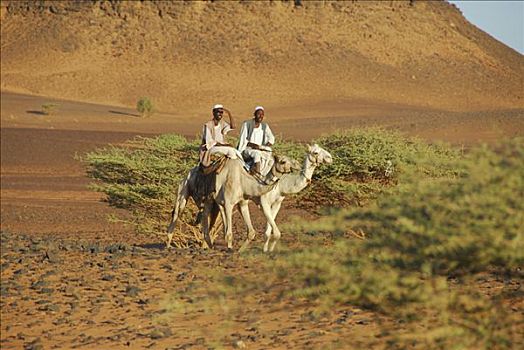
(427, 246)
(414, 230)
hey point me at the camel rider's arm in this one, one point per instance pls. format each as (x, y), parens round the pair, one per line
(269, 137)
(226, 129)
(231, 120)
(242, 140)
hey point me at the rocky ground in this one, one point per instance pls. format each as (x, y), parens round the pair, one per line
(72, 293)
(64, 293)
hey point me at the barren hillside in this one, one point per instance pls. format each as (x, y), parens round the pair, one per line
(241, 53)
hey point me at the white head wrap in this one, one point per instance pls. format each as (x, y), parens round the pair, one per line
(217, 106)
(259, 107)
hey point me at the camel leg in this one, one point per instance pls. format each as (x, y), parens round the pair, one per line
(223, 216)
(275, 240)
(251, 233)
(215, 210)
(275, 208)
(228, 225)
(206, 214)
(268, 236)
(266, 208)
(181, 201)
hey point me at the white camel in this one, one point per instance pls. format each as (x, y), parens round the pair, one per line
(234, 185)
(288, 184)
(187, 188)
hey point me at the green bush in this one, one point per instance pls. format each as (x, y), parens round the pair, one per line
(49, 108)
(143, 176)
(367, 162)
(145, 107)
(449, 225)
(416, 239)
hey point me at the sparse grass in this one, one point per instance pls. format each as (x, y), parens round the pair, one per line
(145, 107)
(49, 108)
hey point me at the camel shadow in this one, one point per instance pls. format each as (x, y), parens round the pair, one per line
(35, 112)
(124, 113)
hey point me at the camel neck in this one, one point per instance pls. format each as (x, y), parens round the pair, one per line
(308, 169)
(295, 183)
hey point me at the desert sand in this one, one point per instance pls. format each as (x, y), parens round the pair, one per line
(71, 279)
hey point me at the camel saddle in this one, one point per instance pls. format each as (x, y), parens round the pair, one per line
(206, 178)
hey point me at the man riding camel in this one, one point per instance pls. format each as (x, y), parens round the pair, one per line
(213, 136)
(255, 143)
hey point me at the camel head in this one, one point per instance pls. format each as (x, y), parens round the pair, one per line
(284, 165)
(317, 155)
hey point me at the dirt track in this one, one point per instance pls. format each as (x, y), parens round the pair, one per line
(72, 280)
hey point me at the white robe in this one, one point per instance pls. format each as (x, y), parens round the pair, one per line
(263, 156)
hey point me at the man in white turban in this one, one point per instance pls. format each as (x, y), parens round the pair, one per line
(213, 136)
(256, 139)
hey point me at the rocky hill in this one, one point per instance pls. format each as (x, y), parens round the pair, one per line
(424, 54)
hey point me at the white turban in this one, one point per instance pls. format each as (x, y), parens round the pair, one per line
(259, 107)
(217, 106)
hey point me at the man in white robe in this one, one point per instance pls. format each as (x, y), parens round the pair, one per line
(213, 136)
(256, 139)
